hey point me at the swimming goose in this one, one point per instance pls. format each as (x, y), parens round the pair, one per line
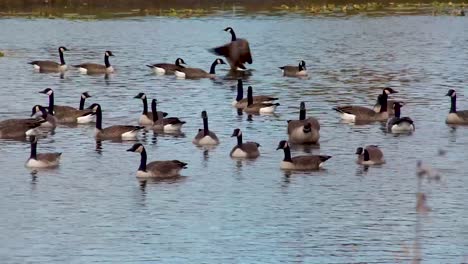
(378, 105)
(68, 114)
(19, 128)
(304, 130)
(399, 124)
(258, 108)
(360, 113)
(237, 52)
(295, 71)
(370, 155)
(94, 68)
(205, 136)
(146, 118)
(50, 120)
(42, 160)
(241, 102)
(169, 124)
(196, 73)
(456, 117)
(51, 66)
(167, 68)
(244, 150)
(113, 132)
(307, 162)
(156, 169)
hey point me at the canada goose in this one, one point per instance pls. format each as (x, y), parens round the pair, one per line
(244, 150)
(156, 169)
(68, 114)
(370, 155)
(169, 124)
(241, 102)
(237, 52)
(167, 68)
(113, 132)
(456, 117)
(146, 118)
(360, 113)
(205, 136)
(378, 105)
(94, 68)
(51, 66)
(295, 71)
(19, 128)
(42, 160)
(309, 162)
(399, 124)
(196, 73)
(303, 130)
(50, 120)
(258, 108)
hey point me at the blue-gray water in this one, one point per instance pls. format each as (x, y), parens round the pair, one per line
(92, 208)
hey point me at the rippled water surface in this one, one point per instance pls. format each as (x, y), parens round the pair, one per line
(92, 208)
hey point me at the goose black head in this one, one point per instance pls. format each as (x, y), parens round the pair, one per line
(33, 139)
(137, 147)
(140, 96)
(38, 109)
(204, 115)
(47, 91)
(359, 151)
(220, 61)
(85, 95)
(62, 49)
(94, 107)
(179, 61)
(389, 90)
(237, 132)
(282, 145)
(398, 105)
(229, 29)
(451, 93)
(109, 53)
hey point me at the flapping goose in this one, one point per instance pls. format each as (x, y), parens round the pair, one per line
(113, 132)
(370, 155)
(258, 108)
(94, 68)
(303, 131)
(42, 160)
(237, 52)
(19, 128)
(247, 150)
(399, 124)
(205, 136)
(68, 114)
(146, 118)
(51, 66)
(295, 71)
(456, 117)
(360, 113)
(307, 162)
(167, 68)
(40, 111)
(196, 73)
(389, 103)
(169, 124)
(156, 169)
(241, 102)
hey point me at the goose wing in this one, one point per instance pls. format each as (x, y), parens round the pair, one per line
(91, 66)
(46, 64)
(463, 114)
(166, 167)
(118, 130)
(374, 153)
(309, 162)
(355, 110)
(194, 72)
(49, 157)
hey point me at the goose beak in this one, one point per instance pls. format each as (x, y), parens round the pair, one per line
(130, 149)
(448, 94)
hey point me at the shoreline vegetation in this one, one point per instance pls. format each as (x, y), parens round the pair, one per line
(106, 9)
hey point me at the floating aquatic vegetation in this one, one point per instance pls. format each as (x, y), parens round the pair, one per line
(2, 54)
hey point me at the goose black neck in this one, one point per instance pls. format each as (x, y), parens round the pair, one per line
(51, 104)
(287, 154)
(33, 150)
(154, 110)
(240, 91)
(239, 140)
(302, 114)
(99, 118)
(366, 155)
(143, 161)
(397, 111)
(145, 106)
(383, 103)
(106, 61)
(213, 67)
(206, 131)
(233, 35)
(82, 101)
(453, 105)
(62, 60)
(249, 97)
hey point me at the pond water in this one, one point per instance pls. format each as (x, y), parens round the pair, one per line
(92, 208)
